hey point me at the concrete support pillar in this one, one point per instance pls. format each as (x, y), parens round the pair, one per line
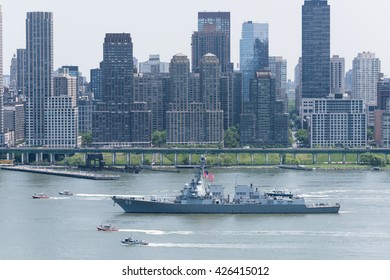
(266, 159)
(329, 158)
(175, 160)
(189, 159)
(314, 158)
(280, 158)
(386, 158)
(27, 158)
(161, 159)
(22, 158)
(51, 158)
(8, 156)
(358, 158)
(142, 158)
(252, 159)
(128, 161)
(344, 160)
(113, 158)
(85, 158)
(36, 157)
(237, 159)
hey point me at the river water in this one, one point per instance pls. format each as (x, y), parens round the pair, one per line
(65, 227)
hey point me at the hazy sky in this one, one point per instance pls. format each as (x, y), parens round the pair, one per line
(165, 26)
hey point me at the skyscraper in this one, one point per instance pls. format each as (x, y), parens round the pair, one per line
(1, 80)
(278, 68)
(112, 118)
(315, 49)
(383, 94)
(337, 75)
(13, 73)
(21, 72)
(96, 83)
(39, 81)
(210, 74)
(217, 21)
(366, 70)
(263, 121)
(213, 36)
(154, 65)
(152, 89)
(253, 52)
(177, 114)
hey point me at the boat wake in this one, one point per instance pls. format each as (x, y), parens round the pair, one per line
(204, 245)
(264, 233)
(158, 232)
(314, 196)
(85, 196)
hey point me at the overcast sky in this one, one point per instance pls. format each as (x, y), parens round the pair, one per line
(165, 26)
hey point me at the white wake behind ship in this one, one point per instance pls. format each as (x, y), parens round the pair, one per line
(198, 198)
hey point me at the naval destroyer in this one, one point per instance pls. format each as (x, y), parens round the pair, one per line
(199, 198)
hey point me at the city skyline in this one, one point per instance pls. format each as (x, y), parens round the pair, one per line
(174, 29)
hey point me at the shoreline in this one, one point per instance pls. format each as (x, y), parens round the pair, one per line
(162, 168)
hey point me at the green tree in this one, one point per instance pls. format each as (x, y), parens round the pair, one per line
(86, 138)
(159, 138)
(370, 134)
(372, 159)
(232, 137)
(74, 161)
(294, 118)
(302, 136)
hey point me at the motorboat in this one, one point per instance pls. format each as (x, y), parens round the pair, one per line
(133, 241)
(107, 227)
(40, 195)
(66, 193)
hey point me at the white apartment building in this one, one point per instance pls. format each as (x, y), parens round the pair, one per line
(62, 114)
(366, 70)
(338, 123)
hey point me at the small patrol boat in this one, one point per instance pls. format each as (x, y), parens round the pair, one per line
(107, 227)
(40, 195)
(133, 241)
(66, 193)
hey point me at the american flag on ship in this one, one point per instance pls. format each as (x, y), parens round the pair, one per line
(208, 175)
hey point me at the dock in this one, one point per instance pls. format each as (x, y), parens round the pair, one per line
(65, 173)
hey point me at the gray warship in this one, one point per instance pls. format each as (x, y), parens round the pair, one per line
(198, 198)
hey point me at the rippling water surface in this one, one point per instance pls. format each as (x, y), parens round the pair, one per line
(65, 227)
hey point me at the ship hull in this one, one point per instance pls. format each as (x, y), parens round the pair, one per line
(145, 206)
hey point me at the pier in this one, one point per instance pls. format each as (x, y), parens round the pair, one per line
(65, 173)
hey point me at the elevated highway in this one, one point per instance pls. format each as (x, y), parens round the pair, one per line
(39, 153)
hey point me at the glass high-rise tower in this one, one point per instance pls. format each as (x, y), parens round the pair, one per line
(315, 49)
(253, 52)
